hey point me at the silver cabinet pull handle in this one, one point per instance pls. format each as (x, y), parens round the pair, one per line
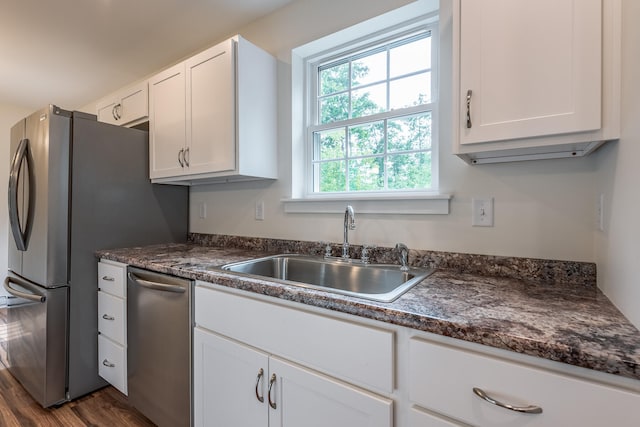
(114, 112)
(531, 409)
(260, 375)
(272, 381)
(469, 93)
(108, 364)
(107, 317)
(108, 279)
(180, 156)
(185, 157)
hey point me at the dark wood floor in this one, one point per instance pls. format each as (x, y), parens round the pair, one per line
(105, 407)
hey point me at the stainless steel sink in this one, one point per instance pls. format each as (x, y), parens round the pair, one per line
(378, 282)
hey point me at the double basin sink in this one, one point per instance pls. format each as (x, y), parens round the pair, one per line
(378, 282)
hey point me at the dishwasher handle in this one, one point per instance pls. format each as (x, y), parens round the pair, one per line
(156, 285)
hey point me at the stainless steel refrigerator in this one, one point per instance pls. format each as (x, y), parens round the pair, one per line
(75, 186)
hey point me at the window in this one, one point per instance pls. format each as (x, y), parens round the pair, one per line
(364, 117)
(372, 118)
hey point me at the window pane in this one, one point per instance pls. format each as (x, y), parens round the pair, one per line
(365, 140)
(410, 91)
(330, 144)
(409, 133)
(331, 176)
(370, 69)
(334, 108)
(369, 100)
(409, 171)
(366, 174)
(410, 57)
(334, 79)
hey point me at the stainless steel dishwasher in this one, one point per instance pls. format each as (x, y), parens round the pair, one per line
(159, 324)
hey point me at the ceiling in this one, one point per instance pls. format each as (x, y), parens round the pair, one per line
(72, 52)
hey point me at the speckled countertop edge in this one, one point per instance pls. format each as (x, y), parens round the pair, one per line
(569, 323)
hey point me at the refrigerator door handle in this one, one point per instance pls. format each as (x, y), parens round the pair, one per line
(35, 296)
(20, 236)
(155, 285)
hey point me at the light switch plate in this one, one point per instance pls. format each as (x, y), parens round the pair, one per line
(259, 210)
(482, 212)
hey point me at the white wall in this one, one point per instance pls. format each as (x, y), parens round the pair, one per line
(618, 247)
(544, 209)
(9, 115)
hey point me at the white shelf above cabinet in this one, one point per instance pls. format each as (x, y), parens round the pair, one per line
(544, 78)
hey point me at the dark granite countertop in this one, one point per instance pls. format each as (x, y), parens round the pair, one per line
(572, 324)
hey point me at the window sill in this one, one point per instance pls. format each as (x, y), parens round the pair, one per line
(405, 204)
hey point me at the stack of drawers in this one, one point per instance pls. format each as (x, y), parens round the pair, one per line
(112, 323)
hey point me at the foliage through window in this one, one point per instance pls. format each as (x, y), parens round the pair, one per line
(373, 119)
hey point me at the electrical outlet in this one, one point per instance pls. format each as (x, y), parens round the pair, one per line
(259, 210)
(482, 212)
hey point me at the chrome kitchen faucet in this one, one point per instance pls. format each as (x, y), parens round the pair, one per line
(349, 224)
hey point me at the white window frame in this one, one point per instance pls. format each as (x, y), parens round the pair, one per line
(416, 17)
(311, 81)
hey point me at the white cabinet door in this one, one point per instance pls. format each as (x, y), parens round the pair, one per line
(167, 125)
(532, 68)
(127, 107)
(305, 398)
(228, 381)
(211, 112)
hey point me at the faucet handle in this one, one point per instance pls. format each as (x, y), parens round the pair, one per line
(403, 255)
(365, 253)
(327, 248)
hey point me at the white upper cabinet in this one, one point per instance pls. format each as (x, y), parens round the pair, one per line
(213, 117)
(534, 79)
(167, 126)
(127, 107)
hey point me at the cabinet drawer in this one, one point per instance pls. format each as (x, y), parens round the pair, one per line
(112, 363)
(355, 353)
(419, 418)
(111, 317)
(112, 278)
(443, 378)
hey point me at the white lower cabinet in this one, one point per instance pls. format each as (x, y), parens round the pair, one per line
(443, 380)
(112, 323)
(260, 361)
(236, 385)
(240, 382)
